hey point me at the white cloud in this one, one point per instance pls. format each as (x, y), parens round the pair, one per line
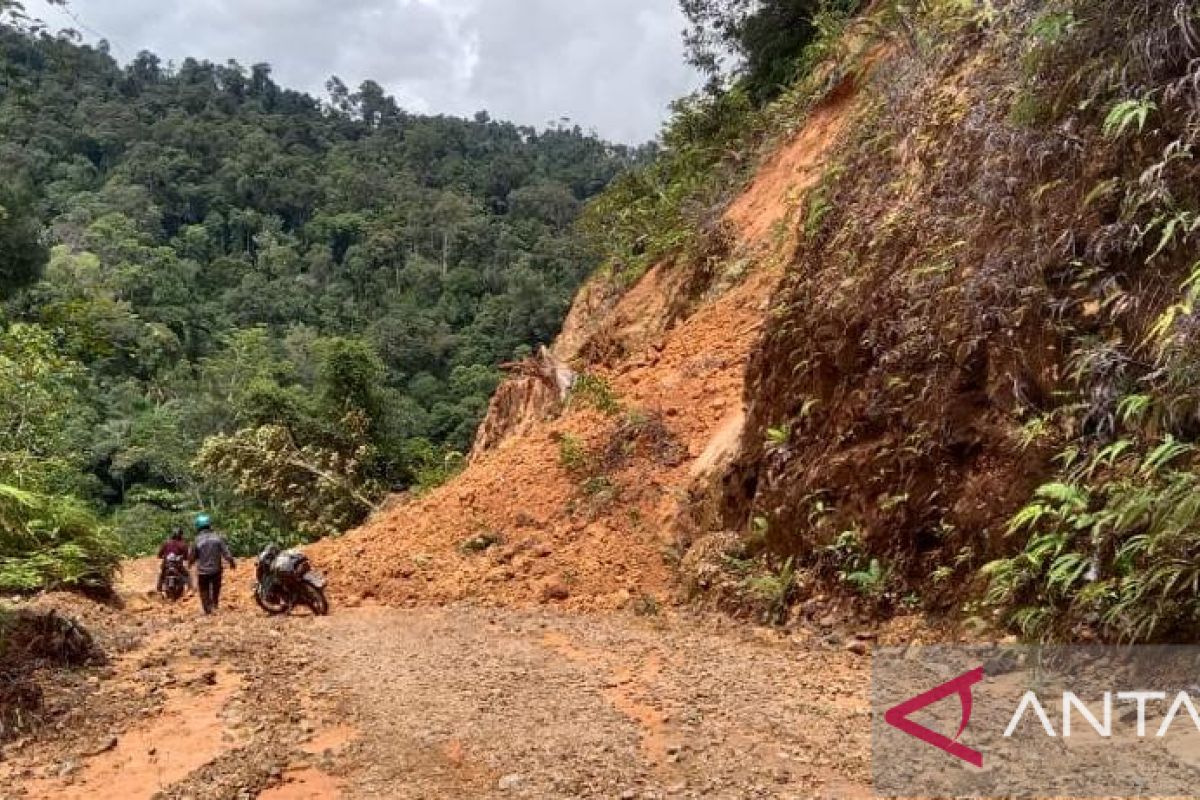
(612, 65)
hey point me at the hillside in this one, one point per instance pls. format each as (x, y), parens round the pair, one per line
(891, 343)
(930, 355)
(581, 504)
(220, 294)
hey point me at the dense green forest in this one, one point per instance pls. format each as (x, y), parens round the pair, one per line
(222, 294)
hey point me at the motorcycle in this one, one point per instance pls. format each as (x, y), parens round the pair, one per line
(285, 580)
(175, 577)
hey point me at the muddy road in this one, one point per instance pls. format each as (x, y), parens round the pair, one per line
(455, 702)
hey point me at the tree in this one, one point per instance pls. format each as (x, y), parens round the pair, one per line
(41, 411)
(22, 253)
(321, 490)
(48, 537)
(51, 541)
(237, 264)
(764, 38)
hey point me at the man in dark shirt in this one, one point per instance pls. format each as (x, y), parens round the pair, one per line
(210, 554)
(175, 546)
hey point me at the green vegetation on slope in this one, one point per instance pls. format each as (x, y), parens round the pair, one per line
(980, 368)
(222, 294)
(710, 143)
(976, 391)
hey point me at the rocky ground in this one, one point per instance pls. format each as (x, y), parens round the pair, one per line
(440, 703)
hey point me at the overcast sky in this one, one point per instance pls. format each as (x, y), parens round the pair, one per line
(612, 65)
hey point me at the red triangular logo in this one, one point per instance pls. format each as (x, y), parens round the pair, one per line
(898, 716)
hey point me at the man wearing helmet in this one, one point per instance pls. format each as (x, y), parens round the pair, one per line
(210, 554)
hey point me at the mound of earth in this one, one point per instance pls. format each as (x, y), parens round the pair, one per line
(571, 505)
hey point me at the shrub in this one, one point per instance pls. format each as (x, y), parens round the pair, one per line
(50, 542)
(573, 455)
(775, 590)
(481, 542)
(1111, 548)
(595, 391)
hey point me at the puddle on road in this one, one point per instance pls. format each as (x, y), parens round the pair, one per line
(185, 736)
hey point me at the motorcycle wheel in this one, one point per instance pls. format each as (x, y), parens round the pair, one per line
(315, 599)
(272, 604)
(174, 590)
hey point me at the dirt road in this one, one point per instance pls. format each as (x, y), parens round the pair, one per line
(456, 702)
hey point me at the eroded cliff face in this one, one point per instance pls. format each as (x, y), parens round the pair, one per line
(582, 498)
(535, 391)
(931, 290)
(970, 313)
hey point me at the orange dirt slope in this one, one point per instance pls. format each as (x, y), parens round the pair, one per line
(604, 543)
(777, 192)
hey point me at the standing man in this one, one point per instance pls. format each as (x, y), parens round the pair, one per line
(209, 553)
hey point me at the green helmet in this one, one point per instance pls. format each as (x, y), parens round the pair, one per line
(202, 522)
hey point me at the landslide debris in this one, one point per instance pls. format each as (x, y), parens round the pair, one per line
(582, 497)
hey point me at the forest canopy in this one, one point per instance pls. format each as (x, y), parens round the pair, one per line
(222, 294)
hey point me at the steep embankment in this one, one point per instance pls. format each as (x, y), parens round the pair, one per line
(961, 294)
(984, 323)
(579, 504)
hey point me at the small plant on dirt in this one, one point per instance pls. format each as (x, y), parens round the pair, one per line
(819, 509)
(817, 209)
(1127, 114)
(573, 455)
(481, 542)
(760, 526)
(941, 575)
(599, 496)
(1035, 430)
(778, 438)
(870, 581)
(599, 487)
(775, 591)
(738, 563)
(1052, 26)
(845, 554)
(595, 391)
(646, 605)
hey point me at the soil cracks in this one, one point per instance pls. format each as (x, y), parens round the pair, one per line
(454, 702)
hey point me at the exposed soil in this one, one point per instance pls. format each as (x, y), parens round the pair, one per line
(476, 648)
(551, 538)
(364, 703)
(775, 196)
(603, 554)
